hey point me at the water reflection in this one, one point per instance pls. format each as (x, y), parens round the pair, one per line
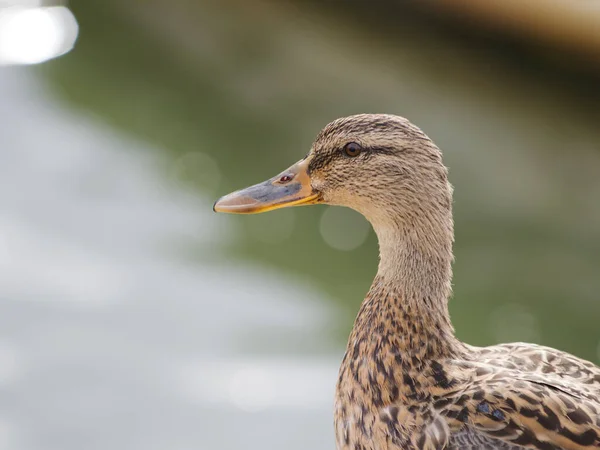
(259, 384)
(102, 322)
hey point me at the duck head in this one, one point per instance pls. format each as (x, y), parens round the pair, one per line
(381, 165)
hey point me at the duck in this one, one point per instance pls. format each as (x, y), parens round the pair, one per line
(406, 381)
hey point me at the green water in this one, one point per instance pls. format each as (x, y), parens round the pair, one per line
(232, 94)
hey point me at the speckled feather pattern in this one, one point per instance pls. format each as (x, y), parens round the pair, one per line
(400, 387)
(406, 381)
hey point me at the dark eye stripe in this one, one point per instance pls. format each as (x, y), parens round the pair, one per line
(323, 160)
(320, 161)
(381, 150)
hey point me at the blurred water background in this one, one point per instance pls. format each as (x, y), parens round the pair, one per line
(132, 317)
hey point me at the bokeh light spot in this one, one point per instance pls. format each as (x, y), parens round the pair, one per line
(34, 35)
(343, 228)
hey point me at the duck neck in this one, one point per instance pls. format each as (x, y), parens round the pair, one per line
(408, 300)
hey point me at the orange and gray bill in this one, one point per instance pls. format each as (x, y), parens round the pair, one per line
(290, 188)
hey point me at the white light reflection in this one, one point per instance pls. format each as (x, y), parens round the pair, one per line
(261, 384)
(35, 35)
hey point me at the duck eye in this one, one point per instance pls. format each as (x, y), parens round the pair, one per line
(352, 149)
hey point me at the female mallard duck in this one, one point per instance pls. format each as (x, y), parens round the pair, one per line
(406, 382)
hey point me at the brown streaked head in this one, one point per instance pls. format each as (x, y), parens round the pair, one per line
(381, 165)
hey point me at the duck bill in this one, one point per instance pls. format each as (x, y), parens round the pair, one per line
(292, 187)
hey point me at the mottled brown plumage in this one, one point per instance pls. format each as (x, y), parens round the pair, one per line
(406, 381)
